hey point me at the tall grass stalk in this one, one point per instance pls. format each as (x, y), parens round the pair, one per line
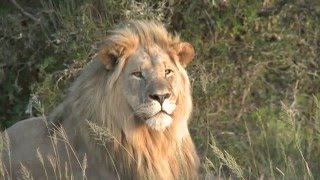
(226, 159)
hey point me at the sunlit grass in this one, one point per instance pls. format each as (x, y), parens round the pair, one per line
(255, 78)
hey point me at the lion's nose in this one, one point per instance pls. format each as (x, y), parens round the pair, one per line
(159, 97)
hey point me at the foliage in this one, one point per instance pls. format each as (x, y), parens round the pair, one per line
(255, 78)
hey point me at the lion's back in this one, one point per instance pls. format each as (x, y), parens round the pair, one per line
(20, 144)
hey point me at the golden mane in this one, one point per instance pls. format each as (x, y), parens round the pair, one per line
(143, 33)
(137, 151)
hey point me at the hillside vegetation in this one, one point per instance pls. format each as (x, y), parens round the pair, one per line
(255, 78)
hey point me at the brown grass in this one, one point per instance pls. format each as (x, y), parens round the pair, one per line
(255, 79)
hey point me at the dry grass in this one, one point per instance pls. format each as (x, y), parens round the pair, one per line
(255, 79)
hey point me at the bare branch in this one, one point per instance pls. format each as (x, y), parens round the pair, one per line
(24, 12)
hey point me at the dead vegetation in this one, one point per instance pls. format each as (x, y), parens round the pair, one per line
(255, 79)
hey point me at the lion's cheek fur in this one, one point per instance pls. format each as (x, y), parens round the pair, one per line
(131, 91)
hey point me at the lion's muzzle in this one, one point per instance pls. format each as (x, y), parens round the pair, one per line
(155, 115)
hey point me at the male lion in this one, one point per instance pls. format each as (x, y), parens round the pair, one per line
(125, 117)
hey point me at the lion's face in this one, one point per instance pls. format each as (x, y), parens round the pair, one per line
(148, 65)
(150, 86)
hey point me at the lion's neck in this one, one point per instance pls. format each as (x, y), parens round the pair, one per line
(143, 153)
(148, 154)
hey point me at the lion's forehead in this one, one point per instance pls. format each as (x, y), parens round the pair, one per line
(149, 59)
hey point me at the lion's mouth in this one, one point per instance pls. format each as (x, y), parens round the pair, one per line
(148, 110)
(162, 111)
(159, 121)
(154, 115)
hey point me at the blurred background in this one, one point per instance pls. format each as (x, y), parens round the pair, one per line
(255, 78)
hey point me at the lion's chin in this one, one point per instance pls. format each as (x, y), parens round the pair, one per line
(159, 122)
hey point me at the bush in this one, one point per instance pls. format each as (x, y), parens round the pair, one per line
(255, 79)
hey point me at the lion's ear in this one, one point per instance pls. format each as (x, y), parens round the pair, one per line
(109, 55)
(185, 52)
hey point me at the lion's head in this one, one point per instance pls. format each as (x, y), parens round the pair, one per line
(151, 76)
(139, 90)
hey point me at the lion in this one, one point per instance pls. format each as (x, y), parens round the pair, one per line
(125, 117)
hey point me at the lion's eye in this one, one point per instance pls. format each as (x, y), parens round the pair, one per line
(137, 74)
(168, 72)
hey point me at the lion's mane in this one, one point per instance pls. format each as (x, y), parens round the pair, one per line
(137, 151)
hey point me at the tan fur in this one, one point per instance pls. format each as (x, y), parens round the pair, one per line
(135, 151)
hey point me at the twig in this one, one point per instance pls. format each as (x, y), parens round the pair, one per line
(265, 12)
(24, 12)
